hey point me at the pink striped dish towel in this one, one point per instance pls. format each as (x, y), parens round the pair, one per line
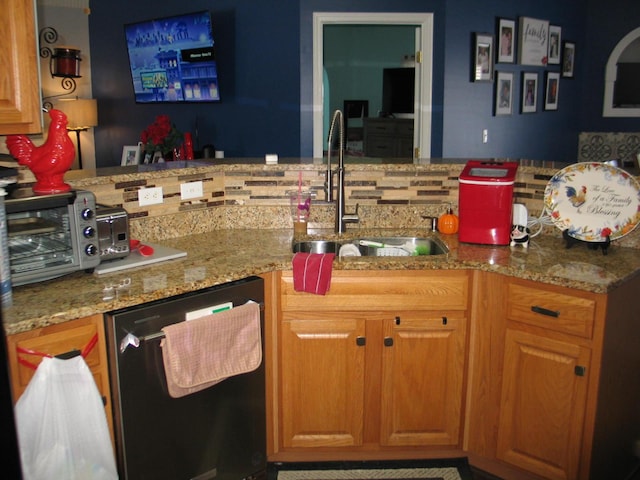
(312, 272)
(199, 353)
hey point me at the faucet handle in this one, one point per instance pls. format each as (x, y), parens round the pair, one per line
(434, 222)
(351, 217)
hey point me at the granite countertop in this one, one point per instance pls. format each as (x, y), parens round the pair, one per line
(225, 255)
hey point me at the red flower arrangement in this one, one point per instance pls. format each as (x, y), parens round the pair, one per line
(161, 136)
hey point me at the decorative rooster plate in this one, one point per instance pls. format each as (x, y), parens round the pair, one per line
(593, 201)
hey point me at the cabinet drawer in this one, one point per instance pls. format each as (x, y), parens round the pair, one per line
(377, 146)
(372, 291)
(405, 128)
(553, 309)
(380, 126)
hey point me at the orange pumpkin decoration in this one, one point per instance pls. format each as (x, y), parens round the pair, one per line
(448, 223)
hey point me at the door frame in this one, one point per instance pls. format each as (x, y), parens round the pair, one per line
(424, 69)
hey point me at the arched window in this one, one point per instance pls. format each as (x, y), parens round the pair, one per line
(623, 68)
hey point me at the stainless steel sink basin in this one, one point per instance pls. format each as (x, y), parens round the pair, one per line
(377, 246)
(316, 246)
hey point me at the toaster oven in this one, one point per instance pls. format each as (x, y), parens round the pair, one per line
(50, 235)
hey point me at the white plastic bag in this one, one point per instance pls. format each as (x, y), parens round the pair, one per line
(62, 427)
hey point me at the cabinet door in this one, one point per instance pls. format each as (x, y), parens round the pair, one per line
(423, 372)
(322, 378)
(19, 77)
(56, 340)
(543, 404)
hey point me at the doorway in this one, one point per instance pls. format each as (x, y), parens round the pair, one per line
(422, 25)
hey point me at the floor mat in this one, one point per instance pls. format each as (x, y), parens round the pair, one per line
(440, 469)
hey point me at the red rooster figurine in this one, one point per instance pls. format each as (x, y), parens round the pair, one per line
(49, 161)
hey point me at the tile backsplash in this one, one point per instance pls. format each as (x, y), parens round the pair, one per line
(604, 146)
(257, 195)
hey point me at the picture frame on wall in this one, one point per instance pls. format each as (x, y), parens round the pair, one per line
(504, 93)
(533, 41)
(482, 69)
(130, 155)
(555, 34)
(551, 90)
(506, 33)
(529, 92)
(568, 59)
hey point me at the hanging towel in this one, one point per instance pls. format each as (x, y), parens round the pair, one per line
(312, 272)
(199, 353)
(62, 426)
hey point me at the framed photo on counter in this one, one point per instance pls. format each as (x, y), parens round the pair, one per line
(482, 57)
(130, 155)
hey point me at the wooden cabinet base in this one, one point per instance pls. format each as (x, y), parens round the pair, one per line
(58, 339)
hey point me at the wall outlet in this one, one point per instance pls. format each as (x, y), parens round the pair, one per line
(149, 196)
(191, 190)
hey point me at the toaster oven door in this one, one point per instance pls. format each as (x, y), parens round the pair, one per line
(42, 239)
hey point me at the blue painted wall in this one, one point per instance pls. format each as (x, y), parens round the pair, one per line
(265, 61)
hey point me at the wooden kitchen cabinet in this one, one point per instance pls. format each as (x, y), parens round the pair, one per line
(550, 390)
(543, 404)
(544, 388)
(20, 106)
(377, 364)
(323, 382)
(58, 339)
(423, 365)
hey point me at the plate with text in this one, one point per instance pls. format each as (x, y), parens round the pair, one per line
(593, 201)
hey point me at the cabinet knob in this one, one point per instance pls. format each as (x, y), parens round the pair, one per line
(444, 320)
(361, 341)
(580, 371)
(397, 320)
(388, 341)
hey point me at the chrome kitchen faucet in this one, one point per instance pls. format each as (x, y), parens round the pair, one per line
(342, 218)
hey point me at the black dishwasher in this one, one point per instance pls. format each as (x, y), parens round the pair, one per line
(216, 433)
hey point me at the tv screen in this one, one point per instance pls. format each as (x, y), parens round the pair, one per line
(173, 59)
(398, 85)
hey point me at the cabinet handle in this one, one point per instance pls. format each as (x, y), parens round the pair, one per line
(388, 341)
(545, 311)
(580, 371)
(397, 320)
(444, 320)
(361, 341)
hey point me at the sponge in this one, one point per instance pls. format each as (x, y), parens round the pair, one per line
(422, 250)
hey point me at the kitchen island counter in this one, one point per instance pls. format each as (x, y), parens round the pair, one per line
(222, 256)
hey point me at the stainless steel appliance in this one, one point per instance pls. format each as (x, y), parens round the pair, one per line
(216, 433)
(50, 235)
(113, 232)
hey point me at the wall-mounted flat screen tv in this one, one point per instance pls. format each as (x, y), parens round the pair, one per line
(173, 59)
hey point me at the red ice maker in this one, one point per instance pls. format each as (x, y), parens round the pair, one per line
(485, 202)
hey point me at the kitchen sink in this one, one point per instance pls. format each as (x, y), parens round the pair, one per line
(376, 246)
(401, 246)
(317, 246)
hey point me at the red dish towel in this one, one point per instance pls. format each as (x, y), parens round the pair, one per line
(312, 272)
